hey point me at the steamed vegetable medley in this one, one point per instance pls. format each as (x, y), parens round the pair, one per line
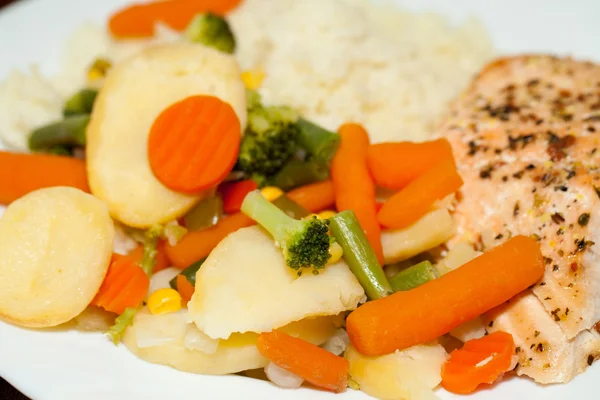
(261, 243)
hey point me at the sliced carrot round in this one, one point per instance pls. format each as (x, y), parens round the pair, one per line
(478, 362)
(194, 144)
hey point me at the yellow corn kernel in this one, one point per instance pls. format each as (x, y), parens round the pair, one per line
(98, 69)
(253, 78)
(271, 193)
(336, 252)
(326, 214)
(311, 216)
(164, 301)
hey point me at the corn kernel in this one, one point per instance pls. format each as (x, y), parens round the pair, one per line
(253, 78)
(271, 193)
(98, 69)
(164, 301)
(311, 216)
(336, 252)
(326, 214)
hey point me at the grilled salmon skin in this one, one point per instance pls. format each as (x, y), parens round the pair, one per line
(526, 136)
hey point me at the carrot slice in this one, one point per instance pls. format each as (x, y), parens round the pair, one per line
(139, 20)
(417, 316)
(21, 174)
(312, 363)
(314, 197)
(395, 165)
(196, 245)
(234, 193)
(185, 289)
(415, 200)
(479, 361)
(194, 144)
(354, 188)
(125, 285)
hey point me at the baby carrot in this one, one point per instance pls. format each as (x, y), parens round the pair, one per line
(420, 315)
(195, 245)
(23, 173)
(411, 203)
(314, 197)
(479, 361)
(353, 186)
(312, 363)
(139, 20)
(234, 193)
(395, 165)
(125, 285)
(194, 143)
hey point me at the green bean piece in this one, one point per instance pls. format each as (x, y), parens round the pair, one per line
(189, 273)
(297, 173)
(70, 132)
(81, 102)
(318, 142)
(61, 151)
(414, 276)
(359, 254)
(206, 214)
(290, 207)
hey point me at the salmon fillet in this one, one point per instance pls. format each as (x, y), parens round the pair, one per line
(526, 136)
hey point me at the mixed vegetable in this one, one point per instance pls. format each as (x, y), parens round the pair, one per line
(265, 230)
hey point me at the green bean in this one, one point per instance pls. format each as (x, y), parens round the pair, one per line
(206, 214)
(297, 173)
(413, 277)
(81, 102)
(317, 141)
(189, 273)
(359, 254)
(70, 132)
(290, 207)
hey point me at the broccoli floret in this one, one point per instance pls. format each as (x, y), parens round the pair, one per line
(305, 243)
(211, 30)
(269, 140)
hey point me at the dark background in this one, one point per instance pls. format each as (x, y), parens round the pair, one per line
(7, 392)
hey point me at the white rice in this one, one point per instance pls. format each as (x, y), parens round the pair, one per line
(335, 61)
(347, 60)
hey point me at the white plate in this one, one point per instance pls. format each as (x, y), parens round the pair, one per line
(72, 365)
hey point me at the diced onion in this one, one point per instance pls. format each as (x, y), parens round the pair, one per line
(160, 280)
(282, 378)
(151, 332)
(195, 339)
(337, 343)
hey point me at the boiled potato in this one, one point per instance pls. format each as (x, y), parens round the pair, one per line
(245, 286)
(408, 374)
(428, 232)
(458, 255)
(238, 353)
(134, 94)
(55, 247)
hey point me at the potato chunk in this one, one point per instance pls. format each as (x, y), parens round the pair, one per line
(408, 374)
(134, 94)
(55, 247)
(428, 232)
(245, 286)
(238, 353)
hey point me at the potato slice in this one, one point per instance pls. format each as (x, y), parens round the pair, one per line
(408, 374)
(238, 353)
(428, 232)
(245, 286)
(55, 247)
(134, 94)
